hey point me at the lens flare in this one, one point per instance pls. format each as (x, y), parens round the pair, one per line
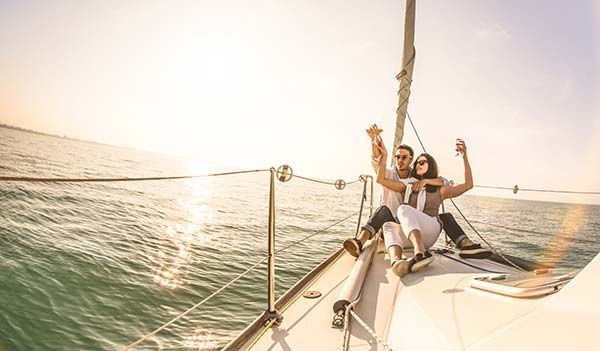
(574, 219)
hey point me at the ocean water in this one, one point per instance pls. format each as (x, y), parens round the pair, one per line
(96, 266)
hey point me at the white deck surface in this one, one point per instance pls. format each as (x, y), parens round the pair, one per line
(434, 309)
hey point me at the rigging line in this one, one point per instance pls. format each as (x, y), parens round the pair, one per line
(485, 241)
(512, 228)
(324, 181)
(415, 130)
(528, 231)
(128, 347)
(318, 232)
(507, 188)
(540, 190)
(90, 180)
(370, 331)
(468, 264)
(455, 206)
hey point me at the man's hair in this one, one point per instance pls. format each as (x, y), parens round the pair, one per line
(407, 148)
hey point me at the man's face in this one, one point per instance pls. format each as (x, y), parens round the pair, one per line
(403, 159)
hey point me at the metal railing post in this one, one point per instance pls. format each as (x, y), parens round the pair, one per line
(271, 312)
(371, 204)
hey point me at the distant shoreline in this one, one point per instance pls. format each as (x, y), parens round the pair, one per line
(31, 131)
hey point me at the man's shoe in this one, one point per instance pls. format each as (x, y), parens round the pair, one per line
(475, 251)
(420, 261)
(353, 247)
(400, 267)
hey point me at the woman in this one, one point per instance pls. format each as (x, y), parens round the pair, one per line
(418, 216)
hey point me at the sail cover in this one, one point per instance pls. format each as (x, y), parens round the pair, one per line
(405, 76)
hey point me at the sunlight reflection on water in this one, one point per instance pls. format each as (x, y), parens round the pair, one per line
(175, 253)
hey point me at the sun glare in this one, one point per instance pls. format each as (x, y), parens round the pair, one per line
(573, 220)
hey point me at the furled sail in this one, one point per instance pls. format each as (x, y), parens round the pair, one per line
(405, 76)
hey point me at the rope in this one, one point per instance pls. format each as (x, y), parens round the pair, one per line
(541, 190)
(416, 133)
(459, 211)
(512, 228)
(317, 232)
(324, 181)
(485, 241)
(370, 331)
(439, 252)
(507, 188)
(130, 346)
(90, 180)
(142, 339)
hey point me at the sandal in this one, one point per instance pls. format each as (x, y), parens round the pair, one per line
(353, 247)
(475, 251)
(420, 261)
(400, 267)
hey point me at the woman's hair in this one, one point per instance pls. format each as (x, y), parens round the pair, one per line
(432, 171)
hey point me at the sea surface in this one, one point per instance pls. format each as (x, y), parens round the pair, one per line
(95, 266)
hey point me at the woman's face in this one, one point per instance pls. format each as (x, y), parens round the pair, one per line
(421, 165)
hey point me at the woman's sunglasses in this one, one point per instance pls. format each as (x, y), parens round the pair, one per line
(421, 162)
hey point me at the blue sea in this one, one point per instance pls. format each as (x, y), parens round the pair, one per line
(95, 266)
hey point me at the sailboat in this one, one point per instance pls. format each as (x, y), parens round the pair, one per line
(499, 303)
(348, 303)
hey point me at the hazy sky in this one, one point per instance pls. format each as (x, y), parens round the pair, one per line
(260, 83)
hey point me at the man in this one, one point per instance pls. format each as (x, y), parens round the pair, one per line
(390, 201)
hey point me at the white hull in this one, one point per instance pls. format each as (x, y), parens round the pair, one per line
(435, 309)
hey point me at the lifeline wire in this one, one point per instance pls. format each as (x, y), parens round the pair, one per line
(507, 188)
(541, 190)
(97, 180)
(319, 231)
(142, 339)
(323, 181)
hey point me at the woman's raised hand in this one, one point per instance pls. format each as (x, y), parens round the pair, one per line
(461, 147)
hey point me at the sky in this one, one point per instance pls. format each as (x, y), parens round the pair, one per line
(262, 83)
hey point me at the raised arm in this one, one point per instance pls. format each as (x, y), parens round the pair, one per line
(373, 131)
(450, 191)
(381, 173)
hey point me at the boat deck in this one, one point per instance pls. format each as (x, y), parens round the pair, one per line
(432, 309)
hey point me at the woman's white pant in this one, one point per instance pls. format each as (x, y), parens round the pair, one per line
(410, 219)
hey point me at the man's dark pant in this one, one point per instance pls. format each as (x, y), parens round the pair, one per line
(383, 214)
(452, 229)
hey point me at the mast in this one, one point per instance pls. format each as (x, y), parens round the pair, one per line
(405, 76)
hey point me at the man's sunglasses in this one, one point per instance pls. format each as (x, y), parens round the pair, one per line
(400, 157)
